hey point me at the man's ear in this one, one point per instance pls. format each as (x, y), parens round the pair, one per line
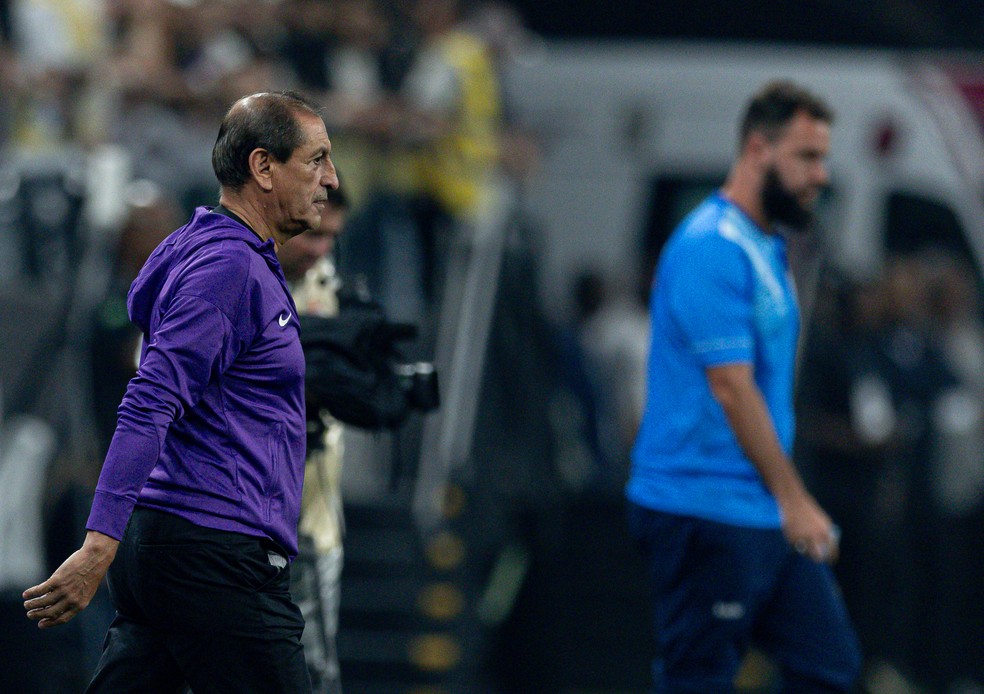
(758, 152)
(758, 147)
(260, 167)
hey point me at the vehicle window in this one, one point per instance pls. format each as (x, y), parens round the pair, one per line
(670, 200)
(915, 223)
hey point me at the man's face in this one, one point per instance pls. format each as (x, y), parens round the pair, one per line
(299, 255)
(797, 172)
(300, 184)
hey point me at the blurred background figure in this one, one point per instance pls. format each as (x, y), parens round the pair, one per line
(917, 377)
(891, 435)
(58, 98)
(955, 623)
(115, 341)
(355, 55)
(316, 574)
(8, 74)
(442, 123)
(848, 430)
(615, 340)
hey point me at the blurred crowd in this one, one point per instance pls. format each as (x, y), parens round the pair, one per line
(891, 401)
(410, 90)
(153, 76)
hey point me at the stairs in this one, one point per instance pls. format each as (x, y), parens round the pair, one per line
(405, 624)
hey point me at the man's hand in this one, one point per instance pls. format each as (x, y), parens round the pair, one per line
(808, 529)
(71, 587)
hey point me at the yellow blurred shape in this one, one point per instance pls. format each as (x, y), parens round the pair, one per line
(445, 550)
(435, 652)
(442, 601)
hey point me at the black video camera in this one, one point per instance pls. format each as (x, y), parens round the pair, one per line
(419, 382)
(355, 369)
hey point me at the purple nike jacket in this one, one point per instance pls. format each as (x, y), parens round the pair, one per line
(212, 427)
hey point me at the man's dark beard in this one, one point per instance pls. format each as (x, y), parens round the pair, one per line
(783, 207)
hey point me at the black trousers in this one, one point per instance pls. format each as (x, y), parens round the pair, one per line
(201, 608)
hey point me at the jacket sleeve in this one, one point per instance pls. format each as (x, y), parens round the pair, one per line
(195, 343)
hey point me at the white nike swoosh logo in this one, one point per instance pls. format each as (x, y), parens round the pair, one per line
(283, 319)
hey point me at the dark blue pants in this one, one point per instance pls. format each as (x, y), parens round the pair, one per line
(717, 588)
(199, 607)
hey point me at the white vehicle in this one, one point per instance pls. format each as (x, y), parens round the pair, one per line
(635, 135)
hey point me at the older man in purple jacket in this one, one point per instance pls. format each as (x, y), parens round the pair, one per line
(199, 496)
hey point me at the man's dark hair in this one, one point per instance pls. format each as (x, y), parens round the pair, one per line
(771, 109)
(267, 121)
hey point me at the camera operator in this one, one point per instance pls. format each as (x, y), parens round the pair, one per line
(316, 572)
(355, 376)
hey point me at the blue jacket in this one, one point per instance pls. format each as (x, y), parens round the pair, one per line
(212, 427)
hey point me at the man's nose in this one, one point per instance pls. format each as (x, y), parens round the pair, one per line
(330, 179)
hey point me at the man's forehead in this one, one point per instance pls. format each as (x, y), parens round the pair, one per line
(805, 129)
(805, 124)
(314, 128)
